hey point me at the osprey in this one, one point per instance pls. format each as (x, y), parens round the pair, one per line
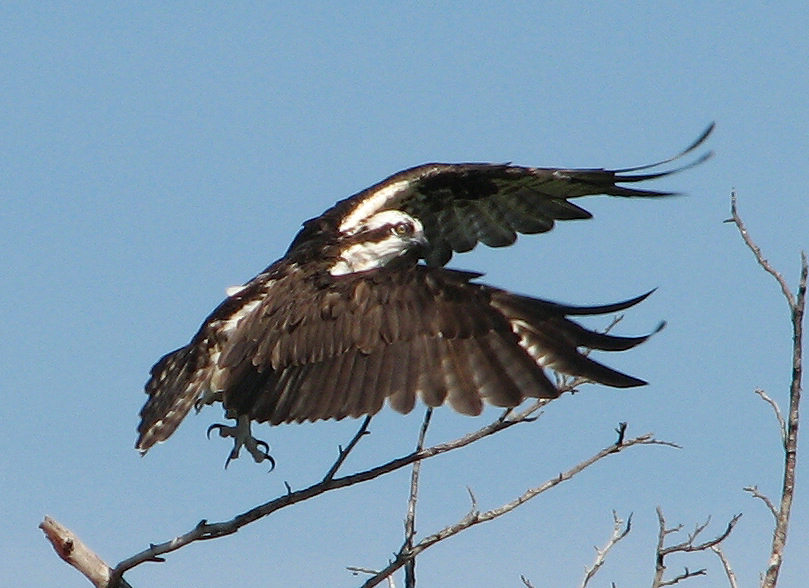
(361, 309)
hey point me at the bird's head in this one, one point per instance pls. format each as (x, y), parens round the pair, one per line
(379, 239)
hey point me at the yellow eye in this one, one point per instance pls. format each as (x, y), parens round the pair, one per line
(403, 229)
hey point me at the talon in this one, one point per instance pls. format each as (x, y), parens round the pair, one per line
(207, 397)
(221, 427)
(242, 437)
(260, 450)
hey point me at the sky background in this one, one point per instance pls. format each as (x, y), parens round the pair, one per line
(155, 154)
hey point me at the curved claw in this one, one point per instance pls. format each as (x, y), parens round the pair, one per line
(260, 450)
(242, 437)
(269, 458)
(207, 397)
(223, 429)
(262, 456)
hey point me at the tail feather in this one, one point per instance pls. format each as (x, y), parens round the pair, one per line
(173, 389)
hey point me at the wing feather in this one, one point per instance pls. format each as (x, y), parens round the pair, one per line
(398, 334)
(495, 231)
(492, 379)
(456, 227)
(454, 201)
(430, 377)
(464, 391)
(404, 380)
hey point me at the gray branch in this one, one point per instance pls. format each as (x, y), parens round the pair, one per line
(410, 519)
(475, 516)
(689, 545)
(717, 549)
(205, 531)
(789, 430)
(619, 531)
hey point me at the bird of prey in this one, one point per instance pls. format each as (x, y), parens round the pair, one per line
(361, 309)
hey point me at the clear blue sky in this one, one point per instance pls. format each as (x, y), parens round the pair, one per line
(153, 155)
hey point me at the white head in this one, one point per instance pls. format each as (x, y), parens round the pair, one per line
(381, 238)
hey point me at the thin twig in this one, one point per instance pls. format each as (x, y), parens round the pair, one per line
(687, 546)
(782, 426)
(762, 261)
(684, 576)
(619, 531)
(358, 570)
(343, 453)
(797, 305)
(410, 519)
(765, 499)
(475, 517)
(717, 549)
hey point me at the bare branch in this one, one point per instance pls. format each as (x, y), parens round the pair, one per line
(73, 550)
(204, 530)
(619, 531)
(797, 305)
(717, 549)
(474, 516)
(684, 576)
(756, 494)
(762, 261)
(343, 453)
(410, 520)
(777, 410)
(688, 546)
(357, 570)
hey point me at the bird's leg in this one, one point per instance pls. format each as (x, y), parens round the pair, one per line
(242, 437)
(207, 397)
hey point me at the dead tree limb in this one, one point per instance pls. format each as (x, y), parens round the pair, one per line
(73, 550)
(717, 549)
(205, 531)
(789, 430)
(689, 545)
(619, 531)
(410, 519)
(475, 516)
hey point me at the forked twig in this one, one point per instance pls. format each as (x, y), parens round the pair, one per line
(619, 531)
(690, 545)
(475, 517)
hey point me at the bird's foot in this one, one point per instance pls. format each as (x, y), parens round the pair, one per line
(207, 397)
(243, 437)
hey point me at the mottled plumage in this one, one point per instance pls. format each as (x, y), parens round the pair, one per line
(350, 318)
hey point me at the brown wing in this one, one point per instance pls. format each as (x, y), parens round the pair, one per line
(463, 204)
(400, 335)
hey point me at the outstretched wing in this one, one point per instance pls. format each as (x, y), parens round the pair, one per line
(462, 204)
(422, 332)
